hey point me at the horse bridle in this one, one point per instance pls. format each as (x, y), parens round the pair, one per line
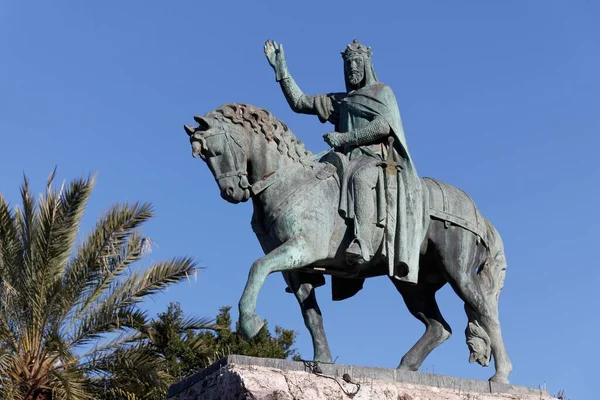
(239, 172)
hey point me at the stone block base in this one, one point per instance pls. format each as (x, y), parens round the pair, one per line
(244, 378)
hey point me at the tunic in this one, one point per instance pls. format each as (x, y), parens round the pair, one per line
(354, 110)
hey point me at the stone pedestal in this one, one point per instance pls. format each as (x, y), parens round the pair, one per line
(244, 378)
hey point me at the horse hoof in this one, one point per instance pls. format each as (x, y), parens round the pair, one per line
(251, 326)
(499, 379)
(406, 367)
(324, 358)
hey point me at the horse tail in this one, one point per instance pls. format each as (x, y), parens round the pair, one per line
(493, 271)
(478, 341)
(490, 280)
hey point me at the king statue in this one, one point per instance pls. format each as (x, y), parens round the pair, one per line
(369, 135)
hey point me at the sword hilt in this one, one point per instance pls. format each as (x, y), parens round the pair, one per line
(390, 155)
(390, 164)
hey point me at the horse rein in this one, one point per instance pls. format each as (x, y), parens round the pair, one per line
(242, 174)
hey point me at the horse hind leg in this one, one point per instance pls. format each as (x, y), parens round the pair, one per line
(483, 333)
(422, 304)
(484, 336)
(313, 319)
(484, 318)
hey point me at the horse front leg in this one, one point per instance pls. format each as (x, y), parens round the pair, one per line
(304, 291)
(293, 254)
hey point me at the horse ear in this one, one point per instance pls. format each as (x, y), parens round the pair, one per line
(203, 122)
(189, 130)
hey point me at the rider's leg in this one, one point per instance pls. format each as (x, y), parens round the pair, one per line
(363, 185)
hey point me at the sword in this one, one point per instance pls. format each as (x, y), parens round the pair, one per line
(390, 165)
(390, 172)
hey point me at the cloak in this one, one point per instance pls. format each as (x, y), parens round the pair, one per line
(400, 208)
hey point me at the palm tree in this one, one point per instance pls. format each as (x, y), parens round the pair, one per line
(69, 311)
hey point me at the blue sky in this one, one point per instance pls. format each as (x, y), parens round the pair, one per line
(498, 98)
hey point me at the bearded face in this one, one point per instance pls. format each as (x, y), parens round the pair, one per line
(355, 70)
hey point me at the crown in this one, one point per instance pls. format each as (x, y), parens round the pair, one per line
(355, 48)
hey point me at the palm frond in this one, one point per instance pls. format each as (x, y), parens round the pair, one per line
(11, 255)
(116, 266)
(123, 339)
(86, 273)
(197, 323)
(133, 369)
(107, 318)
(27, 219)
(6, 361)
(117, 310)
(69, 384)
(156, 278)
(60, 217)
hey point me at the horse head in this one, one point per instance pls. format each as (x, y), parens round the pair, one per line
(222, 146)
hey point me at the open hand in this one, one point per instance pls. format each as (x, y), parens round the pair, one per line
(275, 55)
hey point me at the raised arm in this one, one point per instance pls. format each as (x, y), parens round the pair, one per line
(298, 101)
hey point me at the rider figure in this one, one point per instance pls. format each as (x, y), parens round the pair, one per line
(364, 117)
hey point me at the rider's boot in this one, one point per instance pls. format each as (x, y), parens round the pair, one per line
(359, 251)
(354, 254)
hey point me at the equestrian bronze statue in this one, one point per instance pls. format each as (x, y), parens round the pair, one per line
(357, 212)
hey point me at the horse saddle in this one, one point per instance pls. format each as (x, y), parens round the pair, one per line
(453, 206)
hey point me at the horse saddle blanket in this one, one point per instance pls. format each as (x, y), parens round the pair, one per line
(453, 206)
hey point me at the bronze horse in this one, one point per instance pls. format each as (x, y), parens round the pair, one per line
(253, 155)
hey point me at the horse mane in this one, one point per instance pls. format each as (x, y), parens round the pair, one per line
(263, 122)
